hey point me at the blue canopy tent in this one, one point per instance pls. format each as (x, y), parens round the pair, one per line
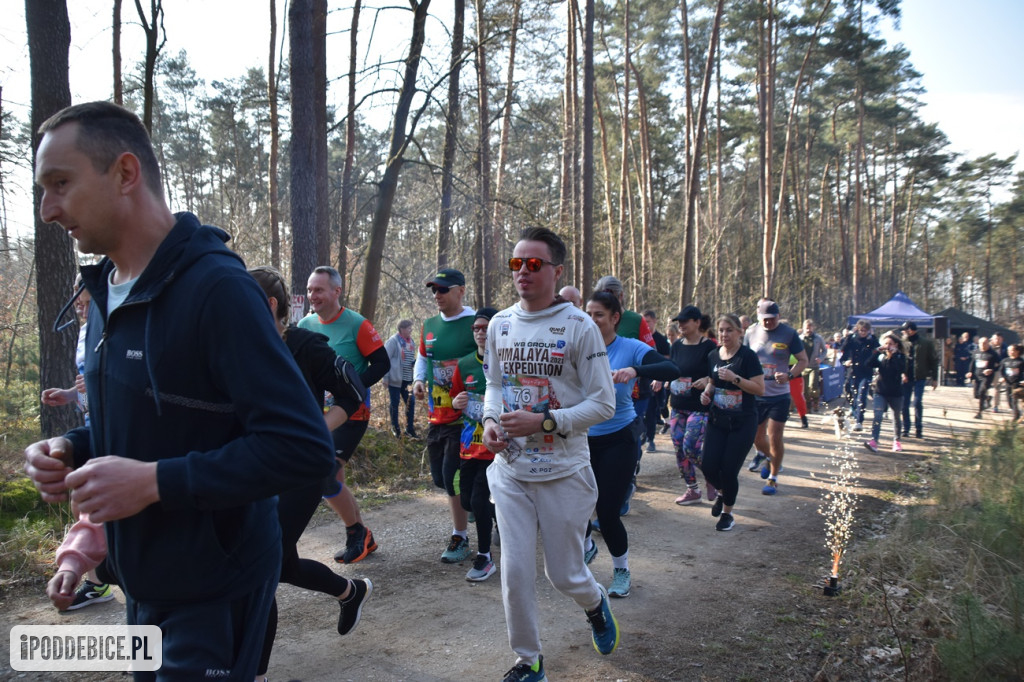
(900, 309)
(894, 312)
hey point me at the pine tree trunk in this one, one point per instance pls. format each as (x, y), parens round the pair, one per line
(49, 39)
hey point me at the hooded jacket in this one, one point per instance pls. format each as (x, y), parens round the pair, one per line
(190, 372)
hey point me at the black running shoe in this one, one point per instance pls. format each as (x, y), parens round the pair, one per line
(352, 608)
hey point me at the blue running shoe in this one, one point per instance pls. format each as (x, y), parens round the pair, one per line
(458, 550)
(756, 462)
(589, 554)
(771, 488)
(622, 581)
(524, 672)
(765, 471)
(605, 629)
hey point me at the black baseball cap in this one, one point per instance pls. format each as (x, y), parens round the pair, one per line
(909, 325)
(447, 277)
(485, 313)
(690, 312)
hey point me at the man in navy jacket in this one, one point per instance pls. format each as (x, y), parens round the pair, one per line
(199, 414)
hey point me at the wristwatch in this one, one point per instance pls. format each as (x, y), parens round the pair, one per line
(790, 375)
(548, 425)
(736, 381)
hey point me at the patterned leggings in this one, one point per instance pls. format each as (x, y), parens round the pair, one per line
(688, 439)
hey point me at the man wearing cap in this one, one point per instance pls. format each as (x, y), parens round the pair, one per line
(774, 343)
(444, 339)
(922, 357)
(350, 336)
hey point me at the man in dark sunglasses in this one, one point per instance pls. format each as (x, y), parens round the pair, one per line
(444, 339)
(548, 381)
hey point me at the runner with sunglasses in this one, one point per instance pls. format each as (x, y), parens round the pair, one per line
(444, 339)
(548, 381)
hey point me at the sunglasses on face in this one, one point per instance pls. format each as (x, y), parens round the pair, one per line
(439, 290)
(532, 264)
(480, 329)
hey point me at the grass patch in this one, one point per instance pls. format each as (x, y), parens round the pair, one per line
(948, 581)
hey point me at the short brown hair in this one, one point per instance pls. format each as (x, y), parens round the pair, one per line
(105, 131)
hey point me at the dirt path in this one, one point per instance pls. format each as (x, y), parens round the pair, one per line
(704, 605)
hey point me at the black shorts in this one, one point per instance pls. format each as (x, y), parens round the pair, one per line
(443, 442)
(776, 409)
(347, 437)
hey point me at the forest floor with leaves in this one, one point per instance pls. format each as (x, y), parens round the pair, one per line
(705, 605)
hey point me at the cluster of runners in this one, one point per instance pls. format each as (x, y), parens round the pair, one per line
(209, 443)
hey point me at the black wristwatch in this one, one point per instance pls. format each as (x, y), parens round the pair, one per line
(737, 381)
(548, 425)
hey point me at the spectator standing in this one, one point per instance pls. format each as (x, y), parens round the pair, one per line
(962, 352)
(924, 361)
(817, 355)
(402, 354)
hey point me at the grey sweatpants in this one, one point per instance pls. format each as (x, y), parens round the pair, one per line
(559, 510)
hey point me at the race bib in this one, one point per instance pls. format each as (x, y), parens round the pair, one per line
(474, 409)
(728, 399)
(680, 385)
(525, 393)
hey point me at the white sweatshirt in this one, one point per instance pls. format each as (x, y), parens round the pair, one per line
(554, 357)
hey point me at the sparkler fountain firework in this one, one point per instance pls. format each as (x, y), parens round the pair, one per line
(839, 501)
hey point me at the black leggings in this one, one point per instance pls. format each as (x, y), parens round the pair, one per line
(725, 449)
(294, 510)
(613, 458)
(475, 495)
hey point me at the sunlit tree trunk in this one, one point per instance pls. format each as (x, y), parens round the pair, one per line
(451, 133)
(116, 53)
(153, 28)
(348, 190)
(389, 182)
(584, 278)
(506, 127)
(275, 141)
(303, 143)
(49, 39)
(484, 269)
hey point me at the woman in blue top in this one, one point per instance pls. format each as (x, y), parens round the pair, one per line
(736, 378)
(613, 442)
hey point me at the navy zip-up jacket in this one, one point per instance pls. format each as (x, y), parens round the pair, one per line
(190, 372)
